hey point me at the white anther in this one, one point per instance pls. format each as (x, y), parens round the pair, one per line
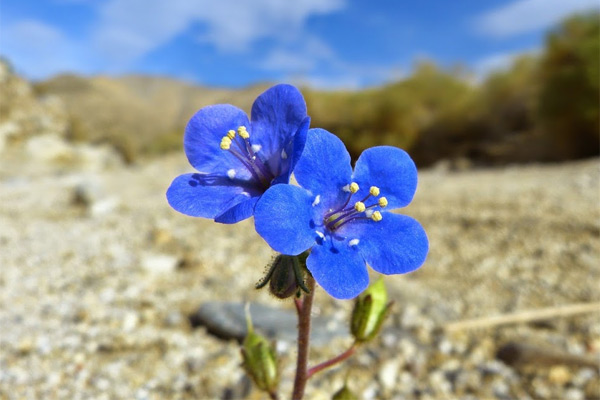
(346, 188)
(283, 154)
(317, 200)
(231, 173)
(369, 212)
(320, 234)
(256, 148)
(353, 242)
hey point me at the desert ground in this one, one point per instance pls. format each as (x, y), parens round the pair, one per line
(101, 281)
(99, 276)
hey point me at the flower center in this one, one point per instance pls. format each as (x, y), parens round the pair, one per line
(239, 145)
(334, 219)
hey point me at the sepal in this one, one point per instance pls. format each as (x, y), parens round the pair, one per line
(260, 359)
(370, 311)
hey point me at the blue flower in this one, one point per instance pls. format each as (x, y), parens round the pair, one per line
(341, 215)
(237, 159)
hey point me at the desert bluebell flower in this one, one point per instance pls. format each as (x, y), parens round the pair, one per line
(341, 215)
(237, 159)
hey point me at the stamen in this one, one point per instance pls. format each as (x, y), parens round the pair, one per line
(245, 152)
(351, 187)
(359, 206)
(243, 132)
(376, 216)
(284, 155)
(340, 216)
(225, 143)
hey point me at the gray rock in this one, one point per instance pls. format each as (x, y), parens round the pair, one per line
(227, 320)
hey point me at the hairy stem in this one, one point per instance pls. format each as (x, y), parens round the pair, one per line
(332, 362)
(304, 309)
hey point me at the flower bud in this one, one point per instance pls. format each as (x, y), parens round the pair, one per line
(283, 283)
(344, 394)
(260, 360)
(370, 310)
(285, 276)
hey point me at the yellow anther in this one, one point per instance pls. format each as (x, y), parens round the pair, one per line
(353, 187)
(376, 216)
(374, 190)
(382, 202)
(225, 143)
(359, 206)
(243, 132)
(231, 134)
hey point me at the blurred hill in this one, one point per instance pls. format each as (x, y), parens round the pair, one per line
(139, 115)
(544, 107)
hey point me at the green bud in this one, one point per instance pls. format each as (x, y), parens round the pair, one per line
(370, 310)
(344, 394)
(260, 360)
(285, 276)
(283, 283)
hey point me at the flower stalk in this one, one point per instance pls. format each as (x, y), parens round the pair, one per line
(330, 363)
(304, 308)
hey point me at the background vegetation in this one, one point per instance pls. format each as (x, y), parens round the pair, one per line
(544, 107)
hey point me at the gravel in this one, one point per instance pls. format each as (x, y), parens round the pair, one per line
(98, 277)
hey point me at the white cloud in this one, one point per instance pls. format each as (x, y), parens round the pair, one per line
(310, 61)
(40, 48)
(128, 29)
(495, 62)
(524, 16)
(300, 56)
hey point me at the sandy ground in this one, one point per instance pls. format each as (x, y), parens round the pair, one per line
(98, 275)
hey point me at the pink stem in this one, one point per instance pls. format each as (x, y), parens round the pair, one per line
(332, 362)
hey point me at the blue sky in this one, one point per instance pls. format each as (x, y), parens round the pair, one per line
(323, 43)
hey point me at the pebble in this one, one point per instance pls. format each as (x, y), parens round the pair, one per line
(559, 374)
(388, 373)
(227, 320)
(160, 263)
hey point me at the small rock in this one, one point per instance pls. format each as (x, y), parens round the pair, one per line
(104, 206)
(160, 263)
(388, 373)
(50, 148)
(228, 321)
(559, 374)
(574, 394)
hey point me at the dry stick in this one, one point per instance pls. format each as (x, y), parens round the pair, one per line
(523, 316)
(304, 310)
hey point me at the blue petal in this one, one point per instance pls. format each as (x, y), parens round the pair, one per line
(324, 167)
(199, 195)
(395, 245)
(284, 218)
(338, 268)
(276, 116)
(293, 152)
(389, 168)
(202, 140)
(239, 212)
